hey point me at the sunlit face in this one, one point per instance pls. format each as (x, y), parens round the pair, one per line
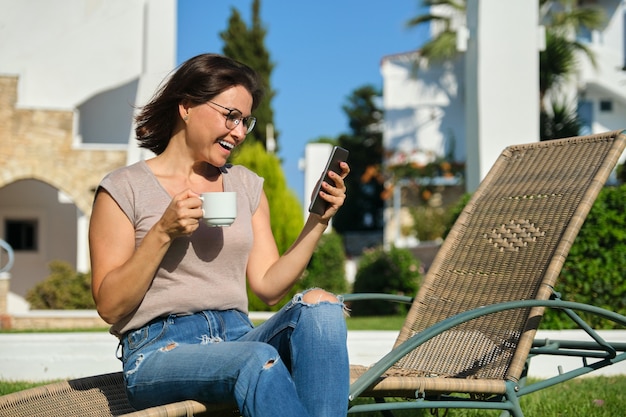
(215, 128)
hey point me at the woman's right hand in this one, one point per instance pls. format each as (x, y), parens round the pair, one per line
(182, 216)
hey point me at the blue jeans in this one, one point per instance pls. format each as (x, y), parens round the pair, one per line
(294, 364)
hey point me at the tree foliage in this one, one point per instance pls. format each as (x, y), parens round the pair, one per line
(441, 47)
(285, 208)
(247, 45)
(561, 121)
(593, 272)
(363, 209)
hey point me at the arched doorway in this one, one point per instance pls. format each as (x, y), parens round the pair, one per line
(41, 224)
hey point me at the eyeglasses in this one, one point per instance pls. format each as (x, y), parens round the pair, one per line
(234, 117)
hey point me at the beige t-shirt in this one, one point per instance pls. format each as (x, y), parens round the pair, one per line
(205, 271)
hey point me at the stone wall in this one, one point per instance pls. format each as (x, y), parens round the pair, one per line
(57, 320)
(38, 144)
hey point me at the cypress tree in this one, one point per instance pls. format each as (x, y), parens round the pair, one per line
(247, 45)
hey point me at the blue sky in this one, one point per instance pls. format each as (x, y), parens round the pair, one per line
(323, 50)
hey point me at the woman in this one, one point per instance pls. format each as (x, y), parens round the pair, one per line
(174, 289)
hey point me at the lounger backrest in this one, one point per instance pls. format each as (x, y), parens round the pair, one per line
(509, 243)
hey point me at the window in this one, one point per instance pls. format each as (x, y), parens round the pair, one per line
(606, 105)
(21, 234)
(585, 115)
(584, 35)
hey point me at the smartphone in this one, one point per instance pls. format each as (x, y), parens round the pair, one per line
(338, 154)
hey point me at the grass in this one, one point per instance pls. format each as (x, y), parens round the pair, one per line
(590, 397)
(75, 330)
(7, 387)
(354, 323)
(375, 323)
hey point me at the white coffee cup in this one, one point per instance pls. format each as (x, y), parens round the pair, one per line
(219, 208)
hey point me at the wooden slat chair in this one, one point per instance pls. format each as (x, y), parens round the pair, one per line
(471, 327)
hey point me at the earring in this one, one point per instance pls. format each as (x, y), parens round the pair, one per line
(186, 117)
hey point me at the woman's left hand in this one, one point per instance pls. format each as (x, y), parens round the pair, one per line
(335, 195)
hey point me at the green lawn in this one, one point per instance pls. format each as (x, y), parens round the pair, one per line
(588, 397)
(354, 323)
(375, 323)
(7, 387)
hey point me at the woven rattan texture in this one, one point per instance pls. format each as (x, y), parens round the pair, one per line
(509, 242)
(87, 397)
(96, 396)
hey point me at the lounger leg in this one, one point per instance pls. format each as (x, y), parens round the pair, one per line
(513, 399)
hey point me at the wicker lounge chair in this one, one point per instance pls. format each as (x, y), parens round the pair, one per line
(95, 396)
(471, 327)
(472, 324)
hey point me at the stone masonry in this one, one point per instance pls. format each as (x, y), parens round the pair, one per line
(38, 144)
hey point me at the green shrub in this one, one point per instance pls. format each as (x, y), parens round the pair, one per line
(593, 272)
(429, 222)
(326, 270)
(63, 289)
(393, 271)
(327, 266)
(454, 212)
(285, 208)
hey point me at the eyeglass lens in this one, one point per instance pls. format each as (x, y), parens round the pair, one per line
(234, 118)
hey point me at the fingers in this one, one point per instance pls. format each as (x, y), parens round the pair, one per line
(335, 195)
(345, 169)
(182, 216)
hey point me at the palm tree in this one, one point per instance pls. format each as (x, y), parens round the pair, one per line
(442, 46)
(561, 122)
(559, 60)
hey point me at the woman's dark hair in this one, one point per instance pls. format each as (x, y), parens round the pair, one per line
(197, 80)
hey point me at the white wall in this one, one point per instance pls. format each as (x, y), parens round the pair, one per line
(88, 55)
(315, 157)
(65, 51)
(424, 110)
(501, 79)
(98, 58)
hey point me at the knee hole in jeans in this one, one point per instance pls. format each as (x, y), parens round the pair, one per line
(316, 296)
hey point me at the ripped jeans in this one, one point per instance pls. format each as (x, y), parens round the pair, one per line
(294, 364)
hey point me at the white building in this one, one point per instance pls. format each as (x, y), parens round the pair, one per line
(471, 108)
(601, 91)
(82, 59)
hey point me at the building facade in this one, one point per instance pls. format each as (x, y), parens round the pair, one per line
(71, 75)
(469, 109)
